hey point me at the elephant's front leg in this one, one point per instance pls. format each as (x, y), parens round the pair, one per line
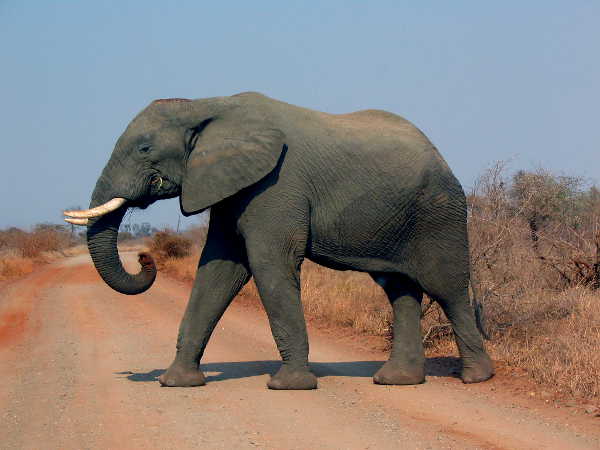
(278, 282)
(221, 274)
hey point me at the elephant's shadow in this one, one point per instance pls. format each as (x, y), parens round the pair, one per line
(434, 367)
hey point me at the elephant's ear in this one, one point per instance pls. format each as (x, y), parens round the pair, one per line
(225, 159)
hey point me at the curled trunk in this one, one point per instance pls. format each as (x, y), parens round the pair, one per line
(102, 237)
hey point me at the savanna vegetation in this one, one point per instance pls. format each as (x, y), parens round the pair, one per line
(535, 251)
(21, 251)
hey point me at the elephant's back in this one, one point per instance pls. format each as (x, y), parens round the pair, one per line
(376, 122)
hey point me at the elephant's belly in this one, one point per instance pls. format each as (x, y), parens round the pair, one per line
(358, 263)
(366, 242)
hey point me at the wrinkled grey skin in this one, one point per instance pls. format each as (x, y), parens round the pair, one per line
(364, 191)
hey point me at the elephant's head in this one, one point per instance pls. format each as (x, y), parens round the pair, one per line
(201, 150)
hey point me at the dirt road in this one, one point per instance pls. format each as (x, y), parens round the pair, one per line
(79, 364)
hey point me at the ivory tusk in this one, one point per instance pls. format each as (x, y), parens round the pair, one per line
(76, 221)
(98, 211)
(158, 180)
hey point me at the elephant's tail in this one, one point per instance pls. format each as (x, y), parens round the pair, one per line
(480, 319)
(478, 307)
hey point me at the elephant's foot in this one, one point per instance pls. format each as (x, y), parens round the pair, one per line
(292, 378)
(394, 373)
(476, 371)
(176, 376)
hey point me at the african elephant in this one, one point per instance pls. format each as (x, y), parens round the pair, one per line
(364, 191)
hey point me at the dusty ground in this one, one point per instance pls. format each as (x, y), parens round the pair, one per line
(79, 362)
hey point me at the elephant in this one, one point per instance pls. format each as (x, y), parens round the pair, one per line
(364, 191)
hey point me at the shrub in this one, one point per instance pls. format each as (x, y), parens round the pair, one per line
(166, 244)
(20, 250)
(43, 238)
(14, 266)
(178, 255)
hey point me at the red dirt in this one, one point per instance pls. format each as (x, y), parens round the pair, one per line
(12, 325)
(79, 364)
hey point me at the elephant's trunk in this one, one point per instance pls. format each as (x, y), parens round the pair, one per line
(102, 237)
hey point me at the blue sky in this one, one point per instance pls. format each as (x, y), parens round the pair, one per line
(485, 80)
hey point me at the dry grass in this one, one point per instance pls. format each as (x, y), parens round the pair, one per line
(535, 255)
(14, 266)
(21, 251)
(183, 269)
(555, 337)
(345, 299)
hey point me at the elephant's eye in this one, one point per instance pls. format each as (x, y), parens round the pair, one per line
(144, 149)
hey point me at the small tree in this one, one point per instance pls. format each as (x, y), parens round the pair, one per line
(543, 198)
(72, 226)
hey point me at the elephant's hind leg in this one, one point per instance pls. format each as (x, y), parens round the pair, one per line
(476, 364)
(449, 289)
(407, 360)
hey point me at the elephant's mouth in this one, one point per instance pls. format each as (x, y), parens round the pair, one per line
(141, 204)
(161, 187)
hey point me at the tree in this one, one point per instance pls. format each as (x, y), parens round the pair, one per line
(72, 226)
(542, 197)
(145, 228)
